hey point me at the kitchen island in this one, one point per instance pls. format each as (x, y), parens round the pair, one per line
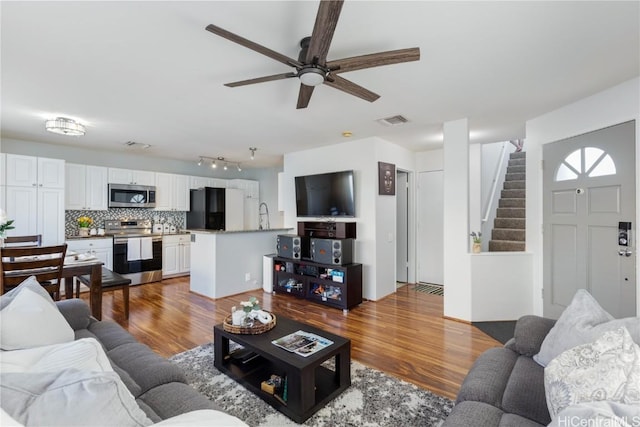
(226, 263)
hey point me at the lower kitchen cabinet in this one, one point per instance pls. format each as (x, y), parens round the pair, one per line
(176, 255)
(100, 247)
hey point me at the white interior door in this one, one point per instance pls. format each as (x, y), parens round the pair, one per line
(402, 227)
(430, 221)
(589, 187)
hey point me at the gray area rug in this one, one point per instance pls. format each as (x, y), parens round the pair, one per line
(374, 398)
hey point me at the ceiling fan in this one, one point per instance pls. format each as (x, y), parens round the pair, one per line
(312, 67)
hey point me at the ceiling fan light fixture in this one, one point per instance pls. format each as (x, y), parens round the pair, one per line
(64, 126)
(311, 76)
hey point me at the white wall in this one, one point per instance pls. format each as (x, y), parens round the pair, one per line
(375, 215)
(457, 270)
(618, 104)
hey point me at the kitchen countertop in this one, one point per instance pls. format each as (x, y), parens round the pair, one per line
(110, 236)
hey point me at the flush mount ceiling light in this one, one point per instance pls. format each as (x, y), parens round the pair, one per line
(64, 126)
(311, 76)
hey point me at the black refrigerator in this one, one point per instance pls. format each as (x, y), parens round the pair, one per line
(207, 209)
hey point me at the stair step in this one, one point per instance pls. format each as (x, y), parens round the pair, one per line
(512, 203)
(511, 234)
(515, 176)
(519, 223)
(506, 246)
(517, 162)
(511, 213)
(518, 155)
(516, 169)
(514, 185)
(513, 194)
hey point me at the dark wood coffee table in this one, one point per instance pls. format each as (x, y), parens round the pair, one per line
(309, 385)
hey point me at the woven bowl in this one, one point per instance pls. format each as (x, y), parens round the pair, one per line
(257, 328)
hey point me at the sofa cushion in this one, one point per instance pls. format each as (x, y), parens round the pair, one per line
(110, 334)
(583, 321)
(31, 320)
(512, 420)
(70, 397)
(529, 334)
(171, 399)
(597, 371)
(481, 413)
(145, 367)
(76, 312)
(488, 377)
(524, 394)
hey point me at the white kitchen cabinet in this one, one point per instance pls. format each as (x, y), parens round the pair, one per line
(86, 187)
(130, 176)
(172, 192)
(28, 171)
(176, 255)
(101, 248)
(35, 197)
(196, 182)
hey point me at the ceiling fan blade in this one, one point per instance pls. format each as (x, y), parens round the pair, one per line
(351, 88)
(374, 60)
(253, 46)
(304, 96)
(323, 29)
(261, 79)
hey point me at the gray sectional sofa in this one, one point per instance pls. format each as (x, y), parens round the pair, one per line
(505, 386)
(159, 386)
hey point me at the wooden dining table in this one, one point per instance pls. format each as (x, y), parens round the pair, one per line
(93, 268)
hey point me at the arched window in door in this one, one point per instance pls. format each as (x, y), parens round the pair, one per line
(589, 161)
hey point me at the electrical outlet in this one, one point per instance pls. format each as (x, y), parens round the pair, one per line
(247, 277)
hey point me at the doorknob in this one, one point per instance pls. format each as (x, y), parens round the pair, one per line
(625, 252)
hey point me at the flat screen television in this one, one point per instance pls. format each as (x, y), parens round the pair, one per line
(326, 194)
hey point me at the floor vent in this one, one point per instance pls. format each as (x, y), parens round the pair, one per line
(430, 288)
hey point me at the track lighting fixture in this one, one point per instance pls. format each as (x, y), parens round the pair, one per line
(215, 160)
(253, 152)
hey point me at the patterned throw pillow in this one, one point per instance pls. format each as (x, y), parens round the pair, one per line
(606, 369)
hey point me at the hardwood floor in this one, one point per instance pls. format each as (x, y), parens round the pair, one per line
(403, 334)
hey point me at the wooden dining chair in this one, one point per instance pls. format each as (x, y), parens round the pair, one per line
(43, 262)
(20, 241)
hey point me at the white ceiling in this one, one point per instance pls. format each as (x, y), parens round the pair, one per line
(149, 72)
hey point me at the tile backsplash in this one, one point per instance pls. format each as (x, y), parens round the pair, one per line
(179, 219)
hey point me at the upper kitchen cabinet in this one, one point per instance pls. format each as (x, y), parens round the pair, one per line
(172, 192)
(196, 182)
(28, 171)
(129, 176)
(86, 187)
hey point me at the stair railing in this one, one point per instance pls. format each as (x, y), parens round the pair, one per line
(494, 186)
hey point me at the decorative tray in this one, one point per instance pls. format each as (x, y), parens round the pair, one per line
(257, 328)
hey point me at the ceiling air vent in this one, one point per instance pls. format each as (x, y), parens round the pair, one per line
(137, 145)
(393, 121)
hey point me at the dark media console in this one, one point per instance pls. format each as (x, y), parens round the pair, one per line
(317, 264)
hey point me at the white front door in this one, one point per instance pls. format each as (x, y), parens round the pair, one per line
(589, 188)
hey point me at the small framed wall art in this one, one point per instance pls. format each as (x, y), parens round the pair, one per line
(386, 179)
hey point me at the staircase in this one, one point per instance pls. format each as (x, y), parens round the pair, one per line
(508, 234)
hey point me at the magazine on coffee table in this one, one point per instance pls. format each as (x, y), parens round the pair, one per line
(302, 343)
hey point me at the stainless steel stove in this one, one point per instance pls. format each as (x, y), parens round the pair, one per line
(137, 252)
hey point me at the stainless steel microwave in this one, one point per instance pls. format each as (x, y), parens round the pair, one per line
(132, 196)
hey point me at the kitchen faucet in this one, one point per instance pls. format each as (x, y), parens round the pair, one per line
(261, 216)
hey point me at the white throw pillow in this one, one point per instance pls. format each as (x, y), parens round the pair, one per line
(70, 398)
(30, 283)
(202, 418)
(29, 320)
(582, 322)
(84, 354)
(609, 414)
(592, 372)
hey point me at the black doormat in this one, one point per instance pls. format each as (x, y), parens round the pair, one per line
(501, 331)
(430, 288)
